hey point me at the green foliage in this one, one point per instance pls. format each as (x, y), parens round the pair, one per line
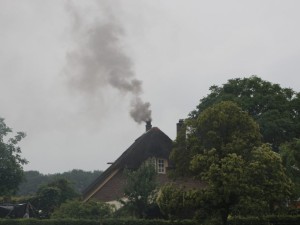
(275, 109)
(181, 155)
(267, 181)
(140, 189)
(290, 153)
(268, 178)
(79, 180)
(224, 128)
(177, 203)
(225, 179)
(77, 209)
(274, 220)
(11, 162)
(47, 199)
(51, 196)
(94, 222)
(49, 222)
(226, 151)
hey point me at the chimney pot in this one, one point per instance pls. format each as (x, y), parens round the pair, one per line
(148, 125)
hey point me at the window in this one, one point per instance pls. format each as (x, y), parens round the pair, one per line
(161, 166)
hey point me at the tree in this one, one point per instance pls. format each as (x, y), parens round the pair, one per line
(77, 209)
(79, 180)
(267, 178)
(46, 200)
(11, 161)
(275, 109)
(52, 195)
(290, 152)
(225, 127)
(181, 154)
(224, 143)
(226, 181)
(177, 203)
(139, 189)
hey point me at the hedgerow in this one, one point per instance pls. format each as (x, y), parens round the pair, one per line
(93, 222)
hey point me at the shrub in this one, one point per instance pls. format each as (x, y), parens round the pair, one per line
(93, 222)
(83, 210)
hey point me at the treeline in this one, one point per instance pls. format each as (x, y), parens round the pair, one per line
(79, 180)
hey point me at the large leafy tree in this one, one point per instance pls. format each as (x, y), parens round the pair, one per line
(11, 161)
(275, 109)
(224, 128)
(224, 144)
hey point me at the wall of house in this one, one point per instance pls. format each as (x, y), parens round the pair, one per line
(112, 190)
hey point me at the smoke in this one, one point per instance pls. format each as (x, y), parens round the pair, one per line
(140, 110)
(98, 60)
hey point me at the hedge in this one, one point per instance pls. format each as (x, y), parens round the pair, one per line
(93, 222)
(268, 220)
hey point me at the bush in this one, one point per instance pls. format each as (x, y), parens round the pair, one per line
(77, 209)
(177, 203)
(48, 222)
(268, 220)
(93, 222)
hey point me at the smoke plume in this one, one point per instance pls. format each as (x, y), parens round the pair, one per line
(98, 60)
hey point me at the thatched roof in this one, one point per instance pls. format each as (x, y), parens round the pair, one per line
(153, 143)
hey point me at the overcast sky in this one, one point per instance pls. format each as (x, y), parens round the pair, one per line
(71, 71)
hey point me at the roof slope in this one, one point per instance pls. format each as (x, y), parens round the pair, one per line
(152, 143)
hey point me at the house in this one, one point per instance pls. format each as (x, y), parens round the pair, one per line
(153, 144)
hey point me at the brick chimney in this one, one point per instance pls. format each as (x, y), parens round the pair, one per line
(148, 125)
(180, 127)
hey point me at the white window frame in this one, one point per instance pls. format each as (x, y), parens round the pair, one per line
(161, 166)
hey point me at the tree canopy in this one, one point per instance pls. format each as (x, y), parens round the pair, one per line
(275, 109)
(11, 161)
(290, 153)
(79, 180)
(223, 128)
(225, 151)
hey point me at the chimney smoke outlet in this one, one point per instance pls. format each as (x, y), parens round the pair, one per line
(148, 125)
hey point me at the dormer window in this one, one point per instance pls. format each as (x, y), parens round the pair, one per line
(159, 164)
(161, 167)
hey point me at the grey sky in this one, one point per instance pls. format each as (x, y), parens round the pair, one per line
(176, 48)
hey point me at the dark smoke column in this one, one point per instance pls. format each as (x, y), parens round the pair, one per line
(140, 110)
(98, 61)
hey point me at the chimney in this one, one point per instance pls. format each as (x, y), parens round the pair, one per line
(148, 125)
(180, 127)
